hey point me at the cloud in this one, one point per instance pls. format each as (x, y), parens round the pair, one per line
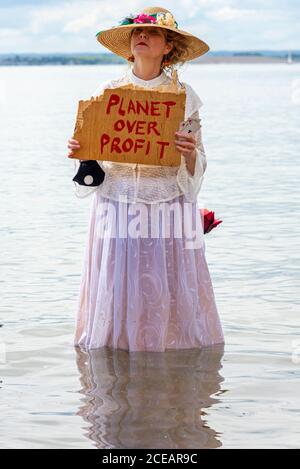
(231, 14)
(71, 25)
(40, 18)
(10, 33)
(76, 16)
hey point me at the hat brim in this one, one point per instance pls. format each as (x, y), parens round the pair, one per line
(117, 40)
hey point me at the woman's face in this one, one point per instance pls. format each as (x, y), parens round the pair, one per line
(155, 45)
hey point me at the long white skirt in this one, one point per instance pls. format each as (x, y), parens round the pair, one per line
(143, 290)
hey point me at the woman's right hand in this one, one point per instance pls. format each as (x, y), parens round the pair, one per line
(72, 145)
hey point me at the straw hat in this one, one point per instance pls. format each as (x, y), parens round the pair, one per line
(117, 38)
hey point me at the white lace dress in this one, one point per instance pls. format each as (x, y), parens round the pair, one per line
(145, 283)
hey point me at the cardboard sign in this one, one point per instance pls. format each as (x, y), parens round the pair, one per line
(129, 124)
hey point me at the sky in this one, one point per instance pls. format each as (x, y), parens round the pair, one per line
(70, 25)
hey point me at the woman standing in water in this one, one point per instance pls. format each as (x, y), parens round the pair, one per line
(148, 293)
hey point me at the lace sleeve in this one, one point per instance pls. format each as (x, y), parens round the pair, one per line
(191, 184)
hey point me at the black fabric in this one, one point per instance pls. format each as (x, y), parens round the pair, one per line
(89, 168)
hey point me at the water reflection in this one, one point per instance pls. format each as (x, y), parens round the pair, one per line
(148, 399)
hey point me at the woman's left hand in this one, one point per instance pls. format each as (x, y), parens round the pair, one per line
(186, 144)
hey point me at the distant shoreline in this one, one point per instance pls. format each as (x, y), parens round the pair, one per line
(246, 60)
(111, 59)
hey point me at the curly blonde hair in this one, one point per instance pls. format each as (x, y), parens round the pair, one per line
(179, 53)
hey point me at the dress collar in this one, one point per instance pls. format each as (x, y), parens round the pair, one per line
(153, 82)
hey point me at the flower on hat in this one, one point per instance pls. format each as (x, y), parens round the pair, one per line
(160, 18)
(127, 19)
(166, 19)
(143, 18)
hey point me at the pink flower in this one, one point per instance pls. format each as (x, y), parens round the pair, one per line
(210, 222)
(142, 18)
